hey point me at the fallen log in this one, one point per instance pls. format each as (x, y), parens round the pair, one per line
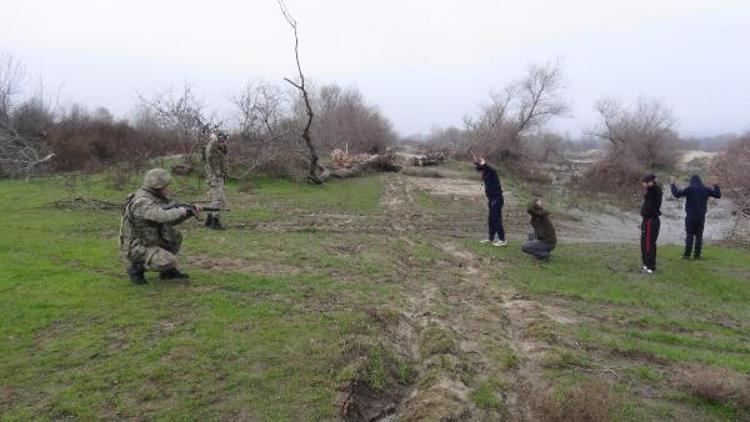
(431, 158)
(385, 162)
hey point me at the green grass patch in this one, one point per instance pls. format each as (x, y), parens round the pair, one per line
(360, 195)
(686, 312)
(80, 342)
(488, 395)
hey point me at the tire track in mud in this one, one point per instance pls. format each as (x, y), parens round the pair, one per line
(503, 320)
(478, 318)
(438, 393)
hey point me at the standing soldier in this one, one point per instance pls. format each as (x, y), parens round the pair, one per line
(215, 157)
(148, 237)
(696, 203)
(650, 211)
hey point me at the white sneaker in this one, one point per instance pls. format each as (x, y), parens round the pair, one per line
(644, 269)
(649, 271)
(499, 243)
(484, 241)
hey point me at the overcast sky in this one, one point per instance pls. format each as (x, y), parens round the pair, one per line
(424, 62)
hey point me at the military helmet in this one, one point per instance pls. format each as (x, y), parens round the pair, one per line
(218, 135)
(156, 179)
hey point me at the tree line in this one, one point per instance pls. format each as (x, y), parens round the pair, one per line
(264, 124)
(510, 128)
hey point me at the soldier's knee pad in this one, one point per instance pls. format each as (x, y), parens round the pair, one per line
(161, 260)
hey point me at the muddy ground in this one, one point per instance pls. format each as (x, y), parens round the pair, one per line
(610, 223)
(453, 321)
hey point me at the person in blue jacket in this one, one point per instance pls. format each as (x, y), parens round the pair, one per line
(696, 202)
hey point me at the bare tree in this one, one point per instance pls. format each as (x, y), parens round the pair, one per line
(32, 118)
(732, 167)
(644, 131)
(641, 139)
(521, 107)
(18, 153)
(261, 107)
(314, 168)
(184, 116)
(345, 121)
(265, 126)
(12, 75)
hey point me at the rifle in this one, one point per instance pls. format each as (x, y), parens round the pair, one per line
(192, 210)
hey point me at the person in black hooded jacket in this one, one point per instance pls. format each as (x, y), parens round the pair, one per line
(494, 192)
(696, 202)
(650, 211)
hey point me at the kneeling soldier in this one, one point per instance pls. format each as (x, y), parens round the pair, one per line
(148, 237)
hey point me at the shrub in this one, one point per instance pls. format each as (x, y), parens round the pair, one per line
(718, 385)
(590, 400)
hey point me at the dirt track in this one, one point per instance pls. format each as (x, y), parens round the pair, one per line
(480, 317)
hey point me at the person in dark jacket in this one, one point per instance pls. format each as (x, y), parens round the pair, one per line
(494, 192)
(650, 211)
(544, 239)
(696, 201)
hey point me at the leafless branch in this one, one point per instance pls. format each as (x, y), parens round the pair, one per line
(183, 115)
(644, 131)
(314, 167)
(521, 107)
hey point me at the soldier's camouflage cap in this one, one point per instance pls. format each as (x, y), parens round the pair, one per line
(156, 179)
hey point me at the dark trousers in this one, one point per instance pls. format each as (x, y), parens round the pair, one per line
(495, 218)
(537, 248)
(694, 232)
(649, 234)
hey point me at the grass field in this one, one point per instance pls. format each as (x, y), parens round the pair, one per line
(294, 308)
(689, 317)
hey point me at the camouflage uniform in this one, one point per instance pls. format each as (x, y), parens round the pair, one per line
(215, 155)
(148, 237)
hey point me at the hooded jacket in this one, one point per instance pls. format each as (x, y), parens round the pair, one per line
(651, 207)
(696, 197)
(543, 229)
(492, 187)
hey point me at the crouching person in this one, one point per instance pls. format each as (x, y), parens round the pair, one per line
(148, 237)
(544, 239)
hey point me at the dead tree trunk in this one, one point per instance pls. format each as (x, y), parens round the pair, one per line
(385, 162)
(314, 167)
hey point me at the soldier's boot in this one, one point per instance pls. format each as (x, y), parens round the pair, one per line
(173, 274)
(136, 273)
(216, 225)
(209, 220)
